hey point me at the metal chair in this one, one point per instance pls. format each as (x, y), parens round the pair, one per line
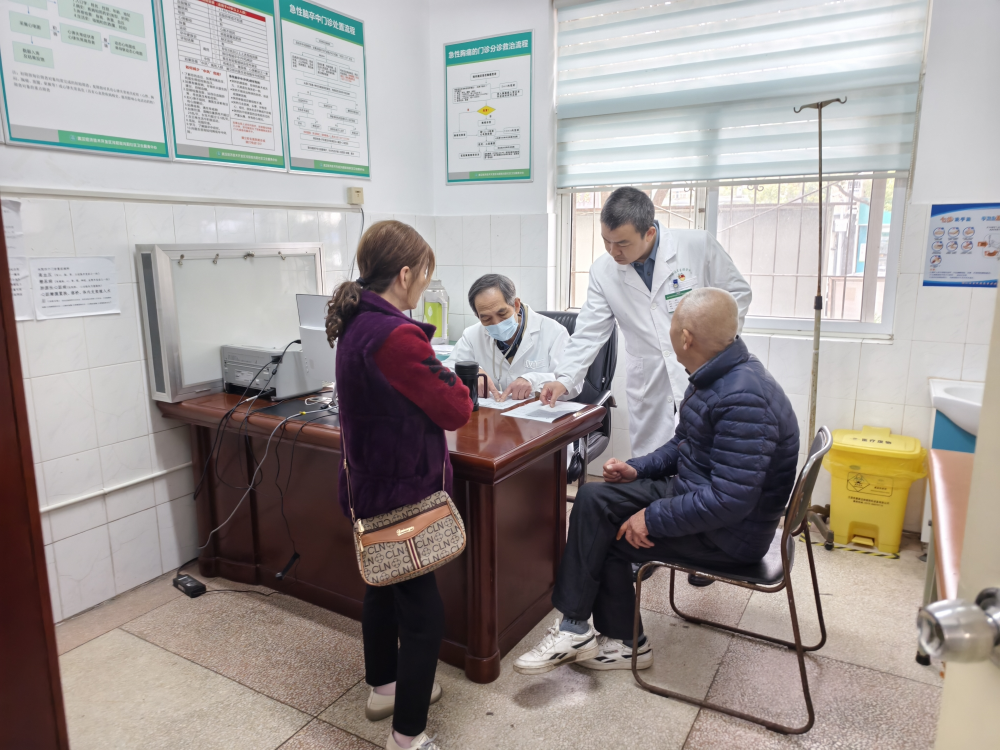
(770, 576)
(596, 390)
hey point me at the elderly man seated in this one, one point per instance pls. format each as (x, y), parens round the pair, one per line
(712, 495)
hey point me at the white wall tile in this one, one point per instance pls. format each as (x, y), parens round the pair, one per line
(619, 415)
(53, 576)
(470, 274)
(758, 346)
(68, 478)
(426, 226)
(913, 249)
(917, 423)
(178, 528)
(270, 224)
(124, 462)
(119, 402)
(135, 550)
(354, 221)
(32, 425)
(974, 362)
(373, 219)
(113, 339)
(175, 484)
(981, 316)
(835, 413)
(534, 287)
(456, 326)
(40, 485)
(906, 306)
(149, 223)
(878, 414)
(448, 233)
(535, 240)
(65, 415)
(47, 227)
(83, 563)
(551, 288)
(170, 448)
(408, 219)
(22, 349)
(511, 272)
(453, 278)
(505, 240)
(838, 368)
(800, 405)
(122, 503)
(303, 226)
(476, 241)
(54, 346)
(99, 228)
(931, 360)
(942, 313)
(195, 225)
(332, 232)
(883, 371)
(234, 224)
(790, 361)
(46, 526)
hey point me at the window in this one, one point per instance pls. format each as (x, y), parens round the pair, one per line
(770, 229)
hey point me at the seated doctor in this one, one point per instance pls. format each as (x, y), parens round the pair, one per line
(514, 345)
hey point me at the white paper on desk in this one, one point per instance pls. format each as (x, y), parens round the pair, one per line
(538, 412)
(510, 403)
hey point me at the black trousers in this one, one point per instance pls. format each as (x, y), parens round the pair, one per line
(411, 614)
(595, 575)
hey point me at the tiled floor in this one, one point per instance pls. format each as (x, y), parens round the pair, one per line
(153, 669)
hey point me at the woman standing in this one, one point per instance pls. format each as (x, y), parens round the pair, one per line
(396, 401)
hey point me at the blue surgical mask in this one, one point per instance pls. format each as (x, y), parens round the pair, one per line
(504, 329)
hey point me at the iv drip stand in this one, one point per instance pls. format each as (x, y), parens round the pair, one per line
(818, 300)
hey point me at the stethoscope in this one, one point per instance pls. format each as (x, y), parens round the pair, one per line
(493, 374)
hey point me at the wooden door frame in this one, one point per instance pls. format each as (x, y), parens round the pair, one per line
(31, 702)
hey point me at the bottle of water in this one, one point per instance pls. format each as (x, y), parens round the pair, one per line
(435, 310)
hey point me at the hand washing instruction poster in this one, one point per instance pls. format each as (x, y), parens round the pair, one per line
(963, 248)
(488, 109)
(82, 74)
(326, 107)
(223, 70)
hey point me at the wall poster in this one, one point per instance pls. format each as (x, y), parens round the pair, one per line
(223, 71)
(74, 287)
(963, 247)
(488, 109)
(326, 105)
(82, 74)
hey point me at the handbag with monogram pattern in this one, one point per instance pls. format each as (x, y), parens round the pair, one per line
(408, 541)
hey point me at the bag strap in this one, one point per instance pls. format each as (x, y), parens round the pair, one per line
(347, 469)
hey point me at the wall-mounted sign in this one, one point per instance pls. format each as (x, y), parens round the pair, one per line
(963, 247)
(82, 74)
(74, 287)
(488, 109)
(326, 105)
(223, 69)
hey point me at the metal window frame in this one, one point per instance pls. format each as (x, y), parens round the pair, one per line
(159, 279)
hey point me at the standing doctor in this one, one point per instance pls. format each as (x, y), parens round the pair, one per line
(638, 284)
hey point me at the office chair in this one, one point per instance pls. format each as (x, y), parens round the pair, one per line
(769, 576)
(596, 390)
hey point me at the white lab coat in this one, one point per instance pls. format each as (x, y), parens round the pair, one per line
(542, 343)
(655, 381)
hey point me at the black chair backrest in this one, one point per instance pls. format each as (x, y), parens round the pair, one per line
(798, 505)
(602, 370)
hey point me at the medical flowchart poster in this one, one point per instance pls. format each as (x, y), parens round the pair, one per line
(963, 246)
(326, 106)
(82, 74)
(488, 109)
(223, 69)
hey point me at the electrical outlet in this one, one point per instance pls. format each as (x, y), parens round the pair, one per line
(355, 196)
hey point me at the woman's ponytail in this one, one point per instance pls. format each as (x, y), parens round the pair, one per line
(341, 308)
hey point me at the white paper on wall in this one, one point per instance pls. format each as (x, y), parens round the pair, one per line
(20, 280)
(74, 287)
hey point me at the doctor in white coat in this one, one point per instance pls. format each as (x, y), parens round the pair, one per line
(646, 271)
(515, 346)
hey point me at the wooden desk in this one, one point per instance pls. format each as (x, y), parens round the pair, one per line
(951, 480)
(510, 487)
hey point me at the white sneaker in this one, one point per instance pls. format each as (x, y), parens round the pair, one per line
(558, 647)
(381, 706)
(420, 742)
(614, 654)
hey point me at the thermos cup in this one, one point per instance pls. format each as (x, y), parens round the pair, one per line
(468, 373)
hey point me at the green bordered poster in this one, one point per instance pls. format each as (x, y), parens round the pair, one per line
(326, 105)
(82, 74)
(223, 70)
(488, 109)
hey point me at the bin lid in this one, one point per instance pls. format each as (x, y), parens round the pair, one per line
(878, 441)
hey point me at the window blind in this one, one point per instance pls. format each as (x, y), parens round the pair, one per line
(695, 90)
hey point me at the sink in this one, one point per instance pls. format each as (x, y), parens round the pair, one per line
(958, 400)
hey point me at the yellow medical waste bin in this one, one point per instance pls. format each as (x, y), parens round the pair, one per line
(872, 470)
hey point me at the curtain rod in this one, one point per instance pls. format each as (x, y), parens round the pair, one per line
(734, 182)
